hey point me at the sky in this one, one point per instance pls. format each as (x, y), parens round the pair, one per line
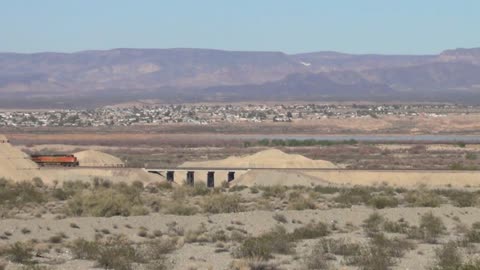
(291, 26)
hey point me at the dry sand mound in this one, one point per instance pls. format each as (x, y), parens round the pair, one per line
(91, 158)
(271, 158)
(14, 164)
(274, 178)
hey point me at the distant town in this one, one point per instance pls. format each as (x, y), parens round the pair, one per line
(209, 114)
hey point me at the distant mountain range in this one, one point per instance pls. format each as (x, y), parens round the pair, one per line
(92, 78)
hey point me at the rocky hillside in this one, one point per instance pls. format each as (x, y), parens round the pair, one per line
(92, 77)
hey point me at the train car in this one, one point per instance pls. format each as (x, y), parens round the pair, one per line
(56, 160)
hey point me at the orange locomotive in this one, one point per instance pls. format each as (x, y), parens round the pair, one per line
(56, 160)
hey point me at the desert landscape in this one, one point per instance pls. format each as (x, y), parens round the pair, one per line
(240, 135)
(344, 205)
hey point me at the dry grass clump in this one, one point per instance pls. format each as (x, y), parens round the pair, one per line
(449, 257)
(380, 253)
(222, 203)
(430, 228)
(316, 260)
(297, 201)
(180, 209)
(120, 254)
(19, 194)
(423, 198)
(107, 201)
(19, 253)
(311, 231)
(341, 247)
(263, 246)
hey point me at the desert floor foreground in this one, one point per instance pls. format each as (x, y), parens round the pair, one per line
(198, 228)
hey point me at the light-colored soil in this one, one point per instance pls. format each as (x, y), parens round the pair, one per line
(92, 158)
(271, 158)
(14, 164)
(203, 255)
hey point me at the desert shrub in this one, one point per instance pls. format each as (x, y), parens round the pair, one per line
(316, 260)
(338, 247)
(423, 198)
(297, 201)
(19, 252)
(106, 203)
(471, 156)
(199, 189)
(273, 191)
(275, 241)
(237, 188)
(326, 189)
(399, 226)
(253, 264)
(431, 227)
(372, 258)
(373, 224)
(117, 253)
(254, 247)
(157, 249)
(394, 247)
(381, 253)
(472, 235)
(83, 249)
(448, 257)
(20, 193)
(280, 218)
(460, 198)
(383, 201)
(311, 231)
(180, 209)
(222, 203)
(354, 196)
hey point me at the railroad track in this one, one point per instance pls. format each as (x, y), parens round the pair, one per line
(257, 169)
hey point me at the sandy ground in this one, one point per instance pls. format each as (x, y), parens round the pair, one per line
(92, 158)
(271, 158)
(203, 255)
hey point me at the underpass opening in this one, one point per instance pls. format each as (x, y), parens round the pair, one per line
(170, 176)
(230, 176)
(190, 178)
(211, 179)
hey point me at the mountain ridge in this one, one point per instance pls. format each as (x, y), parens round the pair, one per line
(186, 74)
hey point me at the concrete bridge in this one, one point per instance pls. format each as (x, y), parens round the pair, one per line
(212, 177)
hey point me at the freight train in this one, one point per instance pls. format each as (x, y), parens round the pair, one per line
(56, 160)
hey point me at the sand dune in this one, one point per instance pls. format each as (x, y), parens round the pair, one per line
(14, 164)
(271, 158)
(92, 158)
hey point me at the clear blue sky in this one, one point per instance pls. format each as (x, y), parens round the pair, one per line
(355, 26)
